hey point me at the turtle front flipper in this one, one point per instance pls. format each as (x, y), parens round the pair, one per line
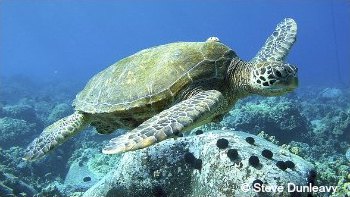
(279, 43)
(56, 134)
(197, 110)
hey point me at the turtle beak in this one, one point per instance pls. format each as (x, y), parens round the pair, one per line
(288, 84)
(290, 81)
(287, 79)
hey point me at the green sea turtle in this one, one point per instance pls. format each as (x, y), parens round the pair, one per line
(162, 91)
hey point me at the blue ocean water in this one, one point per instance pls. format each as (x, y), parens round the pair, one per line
(50, 49)
(74, 40)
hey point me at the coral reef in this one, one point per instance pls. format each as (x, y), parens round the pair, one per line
(46, 175)
(343, 188)
(167, 168)
(15, 132)
(90, 156)
(24, 112)
(12, 186)
(279, 117)
(334, 123)
(59, 111)
(331, 93)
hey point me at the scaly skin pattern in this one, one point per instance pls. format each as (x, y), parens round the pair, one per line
(196, 110)
(277, 46)
(56, 134)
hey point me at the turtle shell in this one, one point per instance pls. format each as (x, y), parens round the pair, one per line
(153, 75)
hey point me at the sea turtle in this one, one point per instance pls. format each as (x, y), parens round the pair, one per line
(162, 91)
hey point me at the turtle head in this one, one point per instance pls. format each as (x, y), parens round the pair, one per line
(273, 78)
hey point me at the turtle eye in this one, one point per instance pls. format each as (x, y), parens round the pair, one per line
(278, 73)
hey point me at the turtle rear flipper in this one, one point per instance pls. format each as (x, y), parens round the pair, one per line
(56, 134)
(277, 46)
(199, 109)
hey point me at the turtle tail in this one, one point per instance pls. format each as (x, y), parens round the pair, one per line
(56, 134)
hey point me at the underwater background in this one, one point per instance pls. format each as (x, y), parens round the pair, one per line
(50, 49)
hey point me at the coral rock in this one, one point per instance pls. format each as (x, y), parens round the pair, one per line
(219, 175)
